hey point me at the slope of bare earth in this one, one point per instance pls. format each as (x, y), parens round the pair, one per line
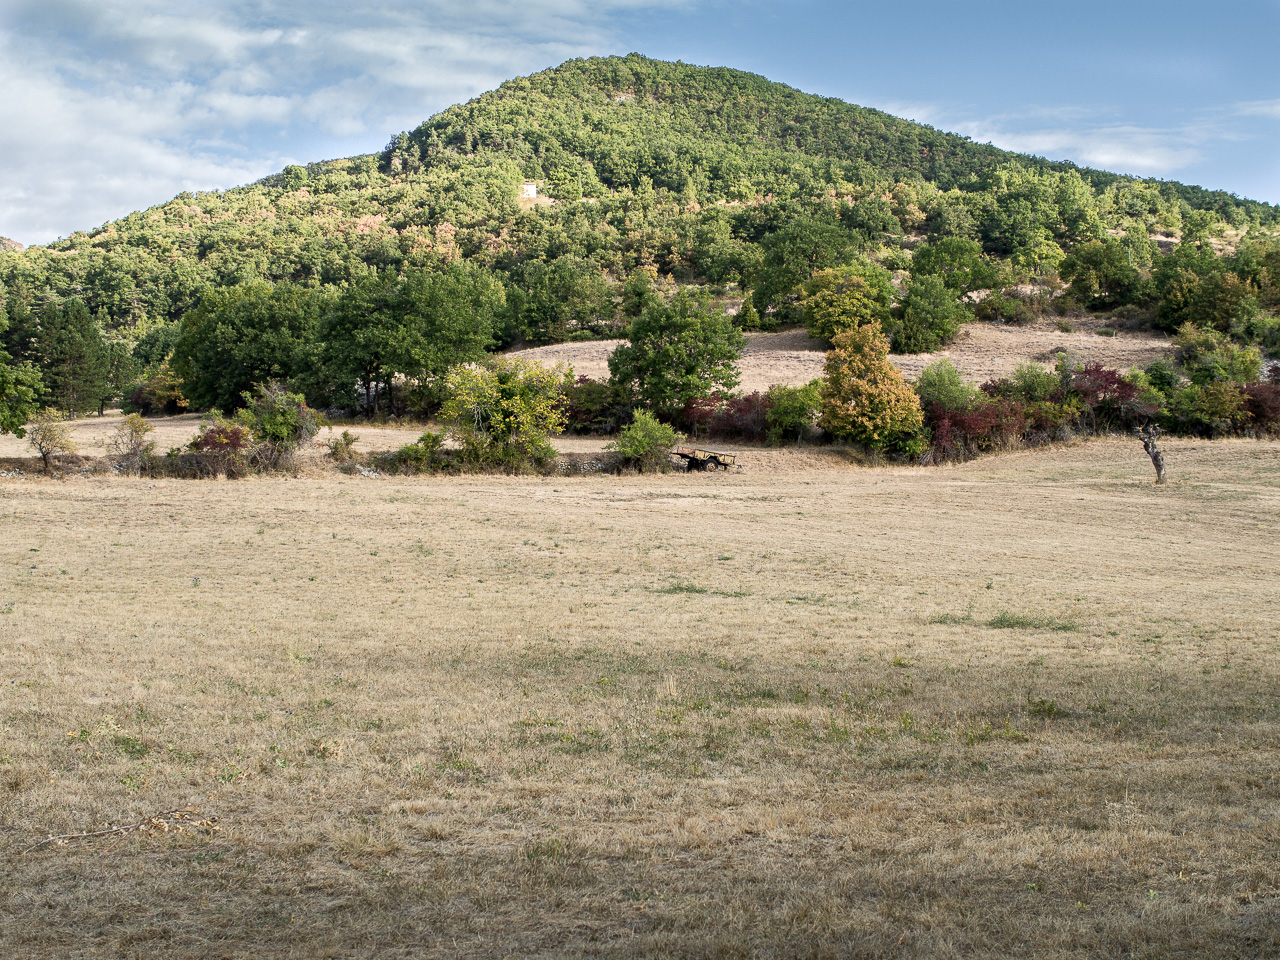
(1024, 706)
(982, 352)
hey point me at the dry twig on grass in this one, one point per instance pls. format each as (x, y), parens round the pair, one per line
(176, 820)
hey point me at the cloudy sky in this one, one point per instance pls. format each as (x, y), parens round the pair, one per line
(108, 106)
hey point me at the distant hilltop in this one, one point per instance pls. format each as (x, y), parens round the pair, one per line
(6, 245)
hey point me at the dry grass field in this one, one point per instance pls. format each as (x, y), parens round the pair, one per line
(983, 351)
(1028, 706)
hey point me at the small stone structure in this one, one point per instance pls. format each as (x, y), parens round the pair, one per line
(528, 190)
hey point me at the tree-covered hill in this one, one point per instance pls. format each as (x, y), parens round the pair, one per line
(649, 141)
(691, 175)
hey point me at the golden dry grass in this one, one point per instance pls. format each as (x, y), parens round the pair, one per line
(982, 351)
(1021, 707)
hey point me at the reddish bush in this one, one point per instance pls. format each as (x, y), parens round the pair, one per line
(1106, 398)
(1262, 400)
(728, 418)
(961, 434)
(232, 439)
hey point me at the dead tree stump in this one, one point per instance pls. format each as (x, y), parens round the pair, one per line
(1148, 435)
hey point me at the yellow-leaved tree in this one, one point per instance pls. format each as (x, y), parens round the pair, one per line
(503, 410)
(864, 398)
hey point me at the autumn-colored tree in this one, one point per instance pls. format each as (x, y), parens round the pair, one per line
(864, 398)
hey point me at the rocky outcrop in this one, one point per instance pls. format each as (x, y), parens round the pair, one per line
(6, 244)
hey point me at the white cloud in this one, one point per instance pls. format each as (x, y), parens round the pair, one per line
(1260, 108)
(1122, 148)
(112, 105)
(1085, 135)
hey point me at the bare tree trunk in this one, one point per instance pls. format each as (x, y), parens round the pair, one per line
(1148, 436)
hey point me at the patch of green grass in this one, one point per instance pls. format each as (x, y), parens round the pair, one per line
(131, 747)
(1008, 620)
(680, 587)
(1043, 707)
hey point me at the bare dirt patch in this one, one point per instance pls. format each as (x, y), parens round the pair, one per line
(1022, 706)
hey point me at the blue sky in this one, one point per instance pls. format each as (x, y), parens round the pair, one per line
(113, 105)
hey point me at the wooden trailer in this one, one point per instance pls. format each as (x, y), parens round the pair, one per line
(696, 458)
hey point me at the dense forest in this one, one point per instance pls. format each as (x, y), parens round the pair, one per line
(342, 276)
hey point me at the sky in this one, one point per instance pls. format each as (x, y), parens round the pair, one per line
(110, 106)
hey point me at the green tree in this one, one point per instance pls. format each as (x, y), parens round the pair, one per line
(1101, 273)
(837, 299)
(864, 398)
(361, 337)
(931, 316)
(959, 262)
(568, 296)
(792, 255)
(245, 335)
(449, 318)
(73, 357)
(676, 353)
(20, 390)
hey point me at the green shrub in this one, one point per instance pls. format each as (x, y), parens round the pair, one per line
(129, 447)
(278, 417)
(422, 454)
(1212, 409)
(1162, 376)
(645, 442)
(1034, 382)
(50, 435)
(1209, 356)
(793, 412)
(748, 317)
(341, 448)
(503, 411)
(997, 308)
(941, 385)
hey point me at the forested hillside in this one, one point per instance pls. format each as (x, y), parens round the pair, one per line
(690, 175)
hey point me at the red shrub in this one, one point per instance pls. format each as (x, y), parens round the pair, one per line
(728, 418)
(1262, 400)
(223, 437)
(960, 434)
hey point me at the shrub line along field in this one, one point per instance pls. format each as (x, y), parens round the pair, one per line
(1021, 706)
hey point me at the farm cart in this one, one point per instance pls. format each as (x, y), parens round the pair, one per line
(698, 459)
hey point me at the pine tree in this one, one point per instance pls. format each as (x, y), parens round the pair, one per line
(19, 389)
(73, 358)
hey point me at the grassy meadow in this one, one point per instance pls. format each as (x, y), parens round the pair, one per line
(1028, 706)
